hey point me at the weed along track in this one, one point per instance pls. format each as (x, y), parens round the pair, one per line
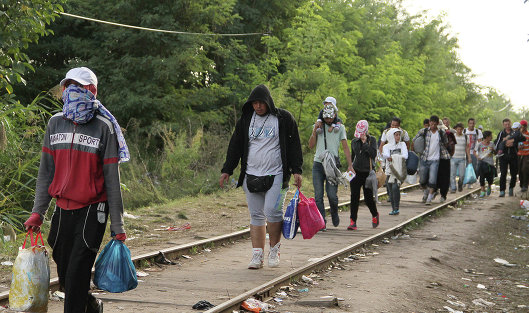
(215, 269)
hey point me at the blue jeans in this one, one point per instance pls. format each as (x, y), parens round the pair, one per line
(428, 173)
(393, 193)
(455, 165)
(318, 178)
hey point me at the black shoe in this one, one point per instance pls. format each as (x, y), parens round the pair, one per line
(94, 305)
(335, 218)
(375, 221)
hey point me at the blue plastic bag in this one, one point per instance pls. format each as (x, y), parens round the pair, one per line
(114, 270)
(470, 175)
(291, 218)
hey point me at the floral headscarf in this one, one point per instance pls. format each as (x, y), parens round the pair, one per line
(361, 128)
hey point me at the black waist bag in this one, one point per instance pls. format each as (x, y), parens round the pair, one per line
(259, 183)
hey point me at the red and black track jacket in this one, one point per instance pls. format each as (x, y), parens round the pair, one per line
(79, 167)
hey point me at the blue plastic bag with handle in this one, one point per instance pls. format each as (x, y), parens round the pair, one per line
(470, 175)
(291, 218)
(114, 270)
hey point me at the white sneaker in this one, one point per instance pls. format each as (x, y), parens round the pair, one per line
(273, 256)
(257, 259)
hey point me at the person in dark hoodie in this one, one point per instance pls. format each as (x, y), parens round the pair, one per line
(266, 142)
(363, 153)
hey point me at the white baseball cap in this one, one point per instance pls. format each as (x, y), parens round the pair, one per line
(516, 125)
(82, 75)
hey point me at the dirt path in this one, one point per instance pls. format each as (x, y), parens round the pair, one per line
(444, 261)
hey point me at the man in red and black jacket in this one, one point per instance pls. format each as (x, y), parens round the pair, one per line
(80, 168)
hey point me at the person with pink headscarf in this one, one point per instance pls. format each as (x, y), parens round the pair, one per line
(363, 153)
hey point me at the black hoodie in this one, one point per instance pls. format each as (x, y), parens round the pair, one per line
(289, 143)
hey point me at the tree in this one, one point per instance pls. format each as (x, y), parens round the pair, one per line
(21, 22)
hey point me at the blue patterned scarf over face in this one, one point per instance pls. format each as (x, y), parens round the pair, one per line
(80, 106)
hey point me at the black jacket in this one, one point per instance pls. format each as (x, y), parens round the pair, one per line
(289, 143)
(362, 153)
(510, 151)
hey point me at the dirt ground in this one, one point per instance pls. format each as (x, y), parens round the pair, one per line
(436, 269)
(192, 218)
(441, 267)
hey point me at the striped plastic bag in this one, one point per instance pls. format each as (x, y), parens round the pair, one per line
(291, 219)
(31, 277)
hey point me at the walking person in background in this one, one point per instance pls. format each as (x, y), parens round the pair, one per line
(363, 152)
(266, 142)
(484, 153)
(426, 123)
(459, 159)
(79, 167)
(336, 122)
(434, 150)
(326, 141)
(508, 158)
(473, 137)
(395, 123)
(395, 154)
(446, 123)
(443, 173)
(521, 140)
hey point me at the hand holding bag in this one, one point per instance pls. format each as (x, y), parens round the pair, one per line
(31, 277)
(470, 175)
(310, 219)
(371, 180)
(291, 218)
(114, 270)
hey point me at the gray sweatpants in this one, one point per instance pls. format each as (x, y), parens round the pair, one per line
(266, 206)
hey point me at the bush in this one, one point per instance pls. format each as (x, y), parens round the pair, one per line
(186, 165)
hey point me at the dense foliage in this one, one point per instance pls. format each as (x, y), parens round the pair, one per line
(179, 96)
(22, 23)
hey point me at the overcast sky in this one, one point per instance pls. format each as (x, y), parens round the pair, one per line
(492, 36)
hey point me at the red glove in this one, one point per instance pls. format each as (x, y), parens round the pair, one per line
(34, 221)
(121, 237)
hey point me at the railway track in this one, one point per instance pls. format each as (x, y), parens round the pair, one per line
(265, 285)
(267, 290)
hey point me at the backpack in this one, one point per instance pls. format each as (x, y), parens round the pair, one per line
(466, 136)
(419, 143)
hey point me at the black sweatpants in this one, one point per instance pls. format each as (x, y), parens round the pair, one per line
(486, 172)
(75, 237)
(357, 183)
(443, 177)
(511, 161)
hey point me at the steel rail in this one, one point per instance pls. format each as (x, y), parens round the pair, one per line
(268, 289)
(179, 250)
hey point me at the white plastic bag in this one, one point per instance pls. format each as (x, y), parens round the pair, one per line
(411, 179)
(31, 278)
